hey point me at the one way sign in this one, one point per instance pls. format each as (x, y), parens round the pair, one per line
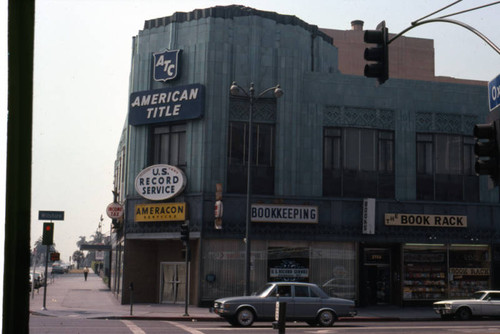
(494, 92)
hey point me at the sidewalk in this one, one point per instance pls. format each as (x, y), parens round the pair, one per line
(71, 296)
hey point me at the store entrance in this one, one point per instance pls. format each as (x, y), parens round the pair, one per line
(172, 282)
(375, 281)
(378, 283)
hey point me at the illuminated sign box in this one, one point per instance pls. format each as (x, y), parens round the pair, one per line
(167, 104)
(160, 212)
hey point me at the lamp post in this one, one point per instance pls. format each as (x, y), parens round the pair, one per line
(236, 90)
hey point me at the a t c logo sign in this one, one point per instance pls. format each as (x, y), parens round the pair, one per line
(165, 65)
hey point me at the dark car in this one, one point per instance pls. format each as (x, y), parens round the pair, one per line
(58, 269)
(304, 302)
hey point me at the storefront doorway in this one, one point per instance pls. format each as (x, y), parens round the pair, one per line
(375, 285)
(172, 282)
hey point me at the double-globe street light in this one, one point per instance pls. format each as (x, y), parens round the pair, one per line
(236, 90)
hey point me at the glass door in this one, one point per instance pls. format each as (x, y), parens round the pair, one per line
(173, 282)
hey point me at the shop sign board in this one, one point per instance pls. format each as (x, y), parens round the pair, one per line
(167, 104)
(289, 273)
(160, 182)
(470, 271)
(114, 210)
(165, 65)
(403, 219)
(276, 213)
(160, 212)
(369, 216)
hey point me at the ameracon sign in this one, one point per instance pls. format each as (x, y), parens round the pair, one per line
(160, 212)
(404, 219)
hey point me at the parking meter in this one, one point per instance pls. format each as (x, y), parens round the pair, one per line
(279, 316)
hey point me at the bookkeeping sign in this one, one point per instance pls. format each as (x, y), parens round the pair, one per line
(167, 104)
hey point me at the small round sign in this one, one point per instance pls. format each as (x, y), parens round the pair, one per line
(114, 211)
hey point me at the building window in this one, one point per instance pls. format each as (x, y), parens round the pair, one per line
(262, 158)
(169, 145)
(445, 168)
(358, 163)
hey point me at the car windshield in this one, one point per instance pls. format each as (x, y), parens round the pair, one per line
(264, 290)
(477, 295)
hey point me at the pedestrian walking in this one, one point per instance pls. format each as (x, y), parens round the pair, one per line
(86, 272)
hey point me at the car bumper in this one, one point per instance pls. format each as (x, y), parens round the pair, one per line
(444, 311)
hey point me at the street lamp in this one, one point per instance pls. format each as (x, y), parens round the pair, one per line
(235, 91)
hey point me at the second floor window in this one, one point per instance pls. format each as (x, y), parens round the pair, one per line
(262, 158)
(445, 168)
(169, 145)
(358, 163)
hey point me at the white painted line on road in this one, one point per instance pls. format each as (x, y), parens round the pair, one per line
(133, 327)
(186, 328)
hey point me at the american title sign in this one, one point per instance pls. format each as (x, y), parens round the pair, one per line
(403, 219)
(167, 104)
(160, 212)
(274, 213)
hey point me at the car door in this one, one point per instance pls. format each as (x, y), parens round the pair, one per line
(491, 305)
(306, 302)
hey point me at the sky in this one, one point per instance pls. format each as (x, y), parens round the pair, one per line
(81, 76)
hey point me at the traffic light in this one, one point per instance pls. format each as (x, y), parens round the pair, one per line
(185, 233)
(378, 54)
(48, 234)
(486, 151)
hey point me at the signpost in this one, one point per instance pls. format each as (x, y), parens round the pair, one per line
(48, 230)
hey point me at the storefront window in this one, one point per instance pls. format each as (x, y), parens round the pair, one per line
(424, 274)
(469, 270)
(330, 265)
(438, 272)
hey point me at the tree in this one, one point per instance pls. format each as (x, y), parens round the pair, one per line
(78, 257)
(39, 252)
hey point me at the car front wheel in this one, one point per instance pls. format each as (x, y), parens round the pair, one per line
(326, 318)
(464, 313)
(245, 317)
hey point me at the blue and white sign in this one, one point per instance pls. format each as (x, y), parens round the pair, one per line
(167, 104)
(50, 215)
(165, 65)
(494, 92)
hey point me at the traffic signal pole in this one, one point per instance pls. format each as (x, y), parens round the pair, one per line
(47, 240)
(45, 285)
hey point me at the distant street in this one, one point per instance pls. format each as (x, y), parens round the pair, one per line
(39, 324)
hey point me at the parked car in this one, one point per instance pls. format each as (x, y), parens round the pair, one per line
(339, 287)
(57, 268)
(304, 302)
(481, 303)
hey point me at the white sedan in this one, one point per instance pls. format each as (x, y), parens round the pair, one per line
(482, 303)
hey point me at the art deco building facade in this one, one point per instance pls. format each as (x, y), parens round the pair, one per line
(366, 190)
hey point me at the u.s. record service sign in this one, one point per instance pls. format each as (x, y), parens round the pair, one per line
(159, 182)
